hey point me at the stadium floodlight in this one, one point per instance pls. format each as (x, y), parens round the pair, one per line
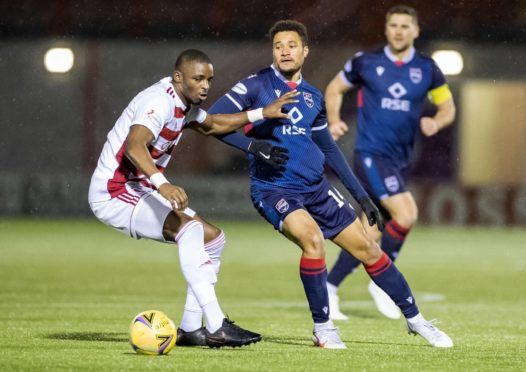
(449, 61)
(59, 60)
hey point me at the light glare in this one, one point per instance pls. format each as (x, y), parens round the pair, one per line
(59, 60)
(449, 61)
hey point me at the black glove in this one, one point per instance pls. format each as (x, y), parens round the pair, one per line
(273, 155)
(372, 212)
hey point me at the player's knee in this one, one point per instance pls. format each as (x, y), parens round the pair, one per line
(407, 218)
(211, 232)
(368, 251)
(174, 224)
(312, 244)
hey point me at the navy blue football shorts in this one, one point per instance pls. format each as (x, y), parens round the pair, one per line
(331, 211)
(380, 177)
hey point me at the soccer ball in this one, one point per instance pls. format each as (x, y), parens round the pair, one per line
(152, 333)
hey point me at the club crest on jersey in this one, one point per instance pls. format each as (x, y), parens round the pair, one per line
(380, 70)
(392, 183)
(415, 74)
(282, 206)
(308, 99)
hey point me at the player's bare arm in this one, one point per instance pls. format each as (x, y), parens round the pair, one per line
(137, 151)
(445, 116)
(333, 100)
(225, 123)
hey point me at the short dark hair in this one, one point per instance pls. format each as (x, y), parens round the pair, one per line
(191, 55)
(289, 25)
(402, 9)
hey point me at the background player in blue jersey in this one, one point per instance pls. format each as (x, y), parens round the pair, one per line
(298, 200)
(393, 85)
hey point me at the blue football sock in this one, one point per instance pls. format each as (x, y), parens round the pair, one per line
(313, 273)
(344, 265)
(393, 237)
(386, 276)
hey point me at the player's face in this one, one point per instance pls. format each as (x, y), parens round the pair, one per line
(288, 52)
(193, 81)
(401, 32)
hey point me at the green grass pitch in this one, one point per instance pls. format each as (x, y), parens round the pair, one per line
(70, 288)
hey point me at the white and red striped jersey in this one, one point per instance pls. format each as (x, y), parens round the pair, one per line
(159, 109)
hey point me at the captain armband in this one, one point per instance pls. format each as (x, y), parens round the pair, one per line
(440, 95)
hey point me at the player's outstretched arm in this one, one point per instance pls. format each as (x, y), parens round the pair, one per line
(336, 160)
(224, 123)
(333, 100)
(137, 151)
(275, 156)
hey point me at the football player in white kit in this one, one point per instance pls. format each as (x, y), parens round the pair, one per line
(129, 192)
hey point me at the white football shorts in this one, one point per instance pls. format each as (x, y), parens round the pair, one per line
(139, 213)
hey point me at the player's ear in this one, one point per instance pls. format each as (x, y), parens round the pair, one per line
(178, 76)
(417, 31)
(305, 51)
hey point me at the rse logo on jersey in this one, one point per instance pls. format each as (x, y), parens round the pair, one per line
(292, 129)
(295, 116)
(397, 90)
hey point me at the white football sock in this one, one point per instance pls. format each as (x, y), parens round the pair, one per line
(321, 326)
(214, 249)
(332, 289)
(199, 272)
(416, 319)
(192, 315)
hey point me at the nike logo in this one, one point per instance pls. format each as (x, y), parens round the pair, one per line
(265, 156)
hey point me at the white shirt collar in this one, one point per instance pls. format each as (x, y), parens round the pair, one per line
(167, 81)
(395, 59)
(280, 76)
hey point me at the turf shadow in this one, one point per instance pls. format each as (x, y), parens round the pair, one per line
(90, 336)
(287, 340)
(302, 341)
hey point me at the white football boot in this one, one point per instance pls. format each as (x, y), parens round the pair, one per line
(334, 308)
(328, 338)
(383, 302)
(434, 336)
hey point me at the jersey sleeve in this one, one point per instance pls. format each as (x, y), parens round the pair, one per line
(321, 120)
(439, 91)
(240, 98)
(351, 71)
(195, 115)
(337, 162)
(152, 112)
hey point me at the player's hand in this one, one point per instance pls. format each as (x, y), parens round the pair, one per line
(338, 129)
(372, 212)
(273, 110)
(275, 156)
(175, 195)
(429, 126)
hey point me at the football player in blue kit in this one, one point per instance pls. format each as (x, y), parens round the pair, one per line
(298, 200)
(393, 85)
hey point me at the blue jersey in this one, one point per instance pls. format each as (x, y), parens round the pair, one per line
(305, 168)
(391, 99)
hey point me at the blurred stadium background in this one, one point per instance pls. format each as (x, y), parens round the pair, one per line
(53, 125)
